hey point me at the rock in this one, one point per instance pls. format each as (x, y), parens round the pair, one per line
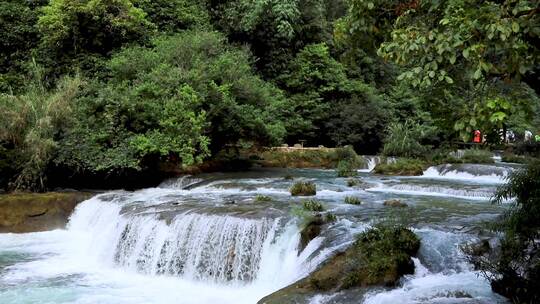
(311, 231)
(31, 212)
(229, 202)
(479, 249)
(394, 203)
(380, 256)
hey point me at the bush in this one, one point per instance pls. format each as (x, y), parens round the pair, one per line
(403, 166)
(382, 251)
(514, 271)
(303, 189)
(312, 205)
(346, 169)
(352, 200)
(262, 198)
(477, 156)
(351, 182)
(516, 159)
(405, 139)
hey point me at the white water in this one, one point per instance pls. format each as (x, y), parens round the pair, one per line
(434, 190)
(372, 161)
(114, 256)
(456, 175)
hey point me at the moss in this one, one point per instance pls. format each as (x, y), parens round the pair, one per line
(404, 166)
(303, 189)
(352, 200)
(262, 198)
(312, 205)
(394, 203)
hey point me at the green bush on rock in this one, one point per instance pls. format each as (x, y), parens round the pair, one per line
(262, 198)
(379, 256)
(352, 200)
(303, 189)
(312, 205)
(403, 166)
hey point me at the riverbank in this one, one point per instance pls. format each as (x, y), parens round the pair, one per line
(32, 212)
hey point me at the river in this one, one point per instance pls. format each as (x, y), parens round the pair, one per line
(207, 240)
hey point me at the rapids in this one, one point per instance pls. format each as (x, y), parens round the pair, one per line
(206, 239)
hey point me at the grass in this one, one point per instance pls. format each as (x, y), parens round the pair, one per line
(517, 159)
(346, 168)
(303, 189)
(262, 198)
(351, 182)
(402, 166)
(352, 200)
(312, 205)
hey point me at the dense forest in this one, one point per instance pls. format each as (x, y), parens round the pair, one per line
(103, 89)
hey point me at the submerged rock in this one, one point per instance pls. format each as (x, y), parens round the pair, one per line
(380, 256)
(394, 203)
(30, 212)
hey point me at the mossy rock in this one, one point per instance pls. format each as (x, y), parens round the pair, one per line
(402, 167)
(380, 256)
(394, 203)
(303, 189)
(30, 212)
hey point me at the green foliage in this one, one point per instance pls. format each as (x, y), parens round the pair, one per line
(405, 139)
(31, 124)
(188, 93)
(477, 156)
(402, 166)
(514, 271)
(346, 169)
(174, 15)
(381, 251)
(312, 205)
(351, 182)
(262, 198)
(352, 200)
(79, 32)
(17, 36)
(303, 189)
(516, 159)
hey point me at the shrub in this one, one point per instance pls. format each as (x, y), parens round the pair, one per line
(352, 200)
(379, 252)
(303, 189)
(403, 166)
(262, 198)
(515, 270)
(405, 139)
(517, 159)
(477, 156)
(312, 205)
(351, 182)
(346, 169)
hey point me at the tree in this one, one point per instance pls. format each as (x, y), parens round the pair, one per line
(467, 50)
(185, 97)
(18, 36)
(515, 271)
(81, 32)
(174, 15)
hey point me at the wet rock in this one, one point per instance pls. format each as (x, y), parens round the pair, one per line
(30, 212)
(394, 203)
(229, 202)
(311, 230)
(380, 256)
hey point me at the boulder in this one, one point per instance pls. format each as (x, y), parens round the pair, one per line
(30, 212)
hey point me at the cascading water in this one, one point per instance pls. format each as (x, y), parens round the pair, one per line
(371, 161)
(215, 242)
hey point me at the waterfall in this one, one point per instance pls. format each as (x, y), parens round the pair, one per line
(217, 248)
(182, 182)
(469, 172)
(371, 161)
(435, 190)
